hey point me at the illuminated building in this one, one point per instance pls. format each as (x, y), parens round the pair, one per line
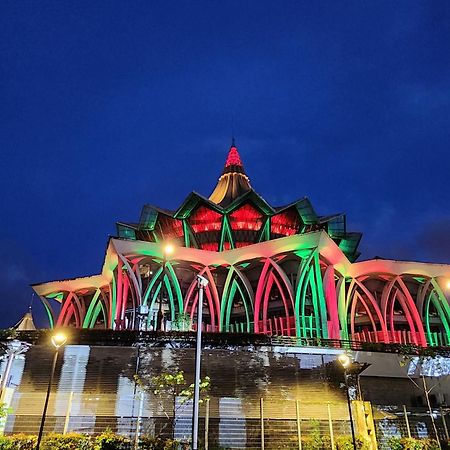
(273, 270)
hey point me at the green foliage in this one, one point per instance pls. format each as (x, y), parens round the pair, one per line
(4, 410)
(315, 438)
(74, 441)
(111, 441)
(69, 441)
(346, 443)
(5, 443)
(182, 322)
(18, 442)
(157, 443)
(396, 443)
(174, 385)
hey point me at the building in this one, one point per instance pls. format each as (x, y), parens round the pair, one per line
(272, 270)
(286, 296)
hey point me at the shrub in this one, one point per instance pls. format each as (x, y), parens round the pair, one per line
(22, 442)
(396, 443)
(111, 441)
(74, 441)
(346, 443)
(5, 443)
(157, 443)
(69, 441)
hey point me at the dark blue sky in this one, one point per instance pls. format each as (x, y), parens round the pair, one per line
(105, 106)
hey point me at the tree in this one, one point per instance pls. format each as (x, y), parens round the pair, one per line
(421, 357)
(173, 386)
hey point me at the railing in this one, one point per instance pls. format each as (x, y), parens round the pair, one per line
(187, 339)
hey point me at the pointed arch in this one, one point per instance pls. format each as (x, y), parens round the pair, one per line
(329, 287)
(272, 274)
(396, 291)
(235, 281)
(429, 295)
(310, 287)
(71, 308)
(212, 297)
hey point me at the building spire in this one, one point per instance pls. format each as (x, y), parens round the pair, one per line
(233, 158)
(26, 323)
(234, 182)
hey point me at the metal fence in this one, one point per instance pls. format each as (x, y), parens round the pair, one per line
(229, 422)
(415, 422)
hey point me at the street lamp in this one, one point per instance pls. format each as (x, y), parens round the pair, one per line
(345, 362)
(58, 340)
(202, 283)
(14, 349)
(168, 250)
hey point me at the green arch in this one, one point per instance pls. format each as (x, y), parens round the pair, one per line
(229, 291)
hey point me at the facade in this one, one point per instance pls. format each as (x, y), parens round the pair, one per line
(272, 270)
(263, 394)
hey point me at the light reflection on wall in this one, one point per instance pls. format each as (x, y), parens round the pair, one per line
(429, 367)
(183, 419)
(231, 418)
(72, 379)
(124, 408)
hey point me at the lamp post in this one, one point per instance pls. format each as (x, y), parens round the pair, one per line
(202, 283)
(168, 249)
(58, 340)
(345, 362)
(14, 349)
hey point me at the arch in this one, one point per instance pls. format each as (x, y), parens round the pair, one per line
(71, 307)
(329, 287)
(212, 296)
(396, 290)
(368, 301)
(96, 306)
(309, 279)
(271, 274)
(235, 281)
(132, 276)
(49, 311)
(432, 294)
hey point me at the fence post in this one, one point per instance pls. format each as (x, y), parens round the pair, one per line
(407, 421)
(330, 423)
(444, 422)
(68, 410)
(261, 418)
(299, 431)
(207, 424)
(139, 417)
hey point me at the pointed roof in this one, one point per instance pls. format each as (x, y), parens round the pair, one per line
(26, 323)
(233, 182)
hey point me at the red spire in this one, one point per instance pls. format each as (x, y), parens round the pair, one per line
(233, 158)
(233, 182)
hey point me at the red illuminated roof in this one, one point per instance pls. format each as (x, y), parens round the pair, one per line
(233, 158)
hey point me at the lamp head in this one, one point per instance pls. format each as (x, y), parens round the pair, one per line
(59, 339)
(202, 281)
(344, 360)
(168, 250)
(448, 284)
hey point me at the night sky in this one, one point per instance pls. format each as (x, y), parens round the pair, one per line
(105, 106)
